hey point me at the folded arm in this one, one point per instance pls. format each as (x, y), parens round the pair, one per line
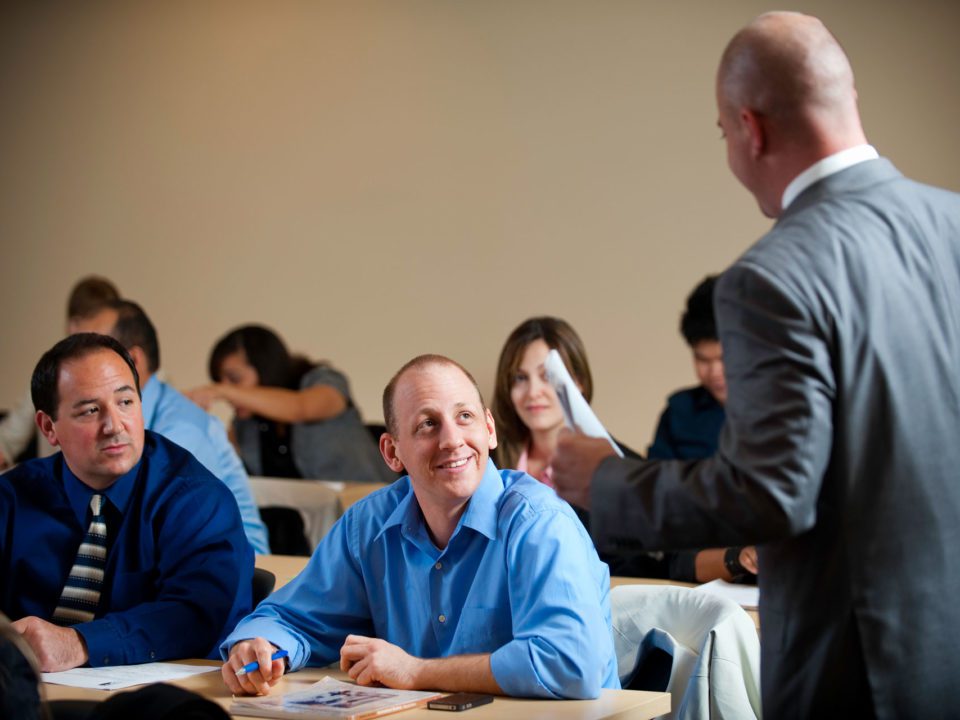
(319, 402)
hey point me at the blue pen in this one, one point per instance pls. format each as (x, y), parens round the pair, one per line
(250, 667)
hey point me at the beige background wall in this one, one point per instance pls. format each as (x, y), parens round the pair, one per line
(380, 179)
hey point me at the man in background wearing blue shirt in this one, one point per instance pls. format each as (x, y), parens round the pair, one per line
(457, 577)
(122, 548)
(171, 414)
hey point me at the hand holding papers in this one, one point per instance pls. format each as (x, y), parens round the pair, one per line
(576, 411)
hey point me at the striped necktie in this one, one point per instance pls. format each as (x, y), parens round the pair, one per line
(81, 594)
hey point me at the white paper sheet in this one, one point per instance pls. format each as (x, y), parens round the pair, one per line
(746, 596)
(124, 676)
(577, 412)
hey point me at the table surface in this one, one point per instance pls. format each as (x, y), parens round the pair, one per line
(619, 704)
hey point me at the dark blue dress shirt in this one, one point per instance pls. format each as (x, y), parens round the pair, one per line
(689, 428)
(179, 568)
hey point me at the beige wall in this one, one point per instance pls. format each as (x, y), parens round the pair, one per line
(381, 179)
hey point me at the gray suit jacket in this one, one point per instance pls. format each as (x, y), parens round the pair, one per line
(840, 452)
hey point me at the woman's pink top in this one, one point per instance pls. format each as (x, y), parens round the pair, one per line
(547, 478)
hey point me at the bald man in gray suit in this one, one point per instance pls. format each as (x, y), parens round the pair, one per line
(840, 453)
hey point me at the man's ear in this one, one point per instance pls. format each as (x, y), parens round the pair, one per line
(753, 125)
(492, 429)
(388, 448)
(45, 423)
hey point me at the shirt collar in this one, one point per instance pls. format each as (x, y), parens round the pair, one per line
(484, 507)
(79, 493)
(826, 167)
(149, 398)
(704, 399)
(480, 514)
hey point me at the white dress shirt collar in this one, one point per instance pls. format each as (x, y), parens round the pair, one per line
(824, 168)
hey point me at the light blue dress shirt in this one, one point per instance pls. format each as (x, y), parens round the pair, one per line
(519, 579)
(167, 412)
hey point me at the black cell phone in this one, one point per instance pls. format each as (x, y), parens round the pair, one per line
(459, 701)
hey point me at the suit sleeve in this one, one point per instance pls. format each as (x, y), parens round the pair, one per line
(764, 481)
(203, 578)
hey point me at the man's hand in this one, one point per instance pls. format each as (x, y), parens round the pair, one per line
(370, 660)
(57, 648)
(574, 463)
(748, 558)
(259, 681)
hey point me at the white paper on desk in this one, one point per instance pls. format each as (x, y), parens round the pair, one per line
(124, 676)
(577, 413)
(746, 596)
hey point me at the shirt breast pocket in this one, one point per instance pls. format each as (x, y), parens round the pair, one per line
(483, 630)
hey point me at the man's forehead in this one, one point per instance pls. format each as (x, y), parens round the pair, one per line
(436, 384)
(95, 368)
(708, 349)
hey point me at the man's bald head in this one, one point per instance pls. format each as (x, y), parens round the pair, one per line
(791, 69)
(421, 362)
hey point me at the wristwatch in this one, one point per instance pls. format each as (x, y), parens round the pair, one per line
(731, 560)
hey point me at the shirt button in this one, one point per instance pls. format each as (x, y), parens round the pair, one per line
(438, 565)
(152, 654)
(442, 618)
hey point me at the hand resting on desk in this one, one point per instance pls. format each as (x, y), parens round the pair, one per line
(259, 681)
(371, 660)
(57, 648)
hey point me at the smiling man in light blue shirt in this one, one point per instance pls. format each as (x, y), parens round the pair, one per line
(457, 577)
(169, 413)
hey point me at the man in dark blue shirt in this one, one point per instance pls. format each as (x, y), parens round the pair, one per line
(690, 425)
(122, 548)
(689, 429)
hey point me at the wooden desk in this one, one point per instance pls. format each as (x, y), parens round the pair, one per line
(354, 491)
(619, 704)
(284, 567)
(621, 580)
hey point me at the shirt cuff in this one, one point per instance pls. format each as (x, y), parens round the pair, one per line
(512, 670)
(104, 644)
(299, 653)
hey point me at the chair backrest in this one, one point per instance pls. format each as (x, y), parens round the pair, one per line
(316, 501)
(263, 583)
(714, 645)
